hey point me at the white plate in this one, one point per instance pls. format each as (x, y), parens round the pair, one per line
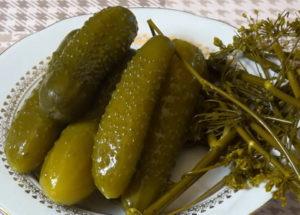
(21, 66)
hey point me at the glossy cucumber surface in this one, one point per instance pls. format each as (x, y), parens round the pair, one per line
(66, 173)
(120, 138)
(30, 136)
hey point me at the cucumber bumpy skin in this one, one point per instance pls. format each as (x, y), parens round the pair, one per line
(66, 176)
(165, 136)
(63, 44)
(74, 76)
(119, 140)
(32, 132)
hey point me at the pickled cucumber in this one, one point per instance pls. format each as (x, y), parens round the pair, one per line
(75, 75)
(65, 41)
(119, 140)
(166, 132)
(66, 176)
(32, 132)
(66, 173)
(30, 136)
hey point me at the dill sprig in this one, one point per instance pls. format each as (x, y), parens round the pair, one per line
(257, 115)
(274, 97)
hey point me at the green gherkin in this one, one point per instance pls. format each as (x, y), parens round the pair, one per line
(119, 140)
(32, 132)
(69, 162)
(66, 173)
(165, 136)
(30, 136)
(63, 44)
(75, 74)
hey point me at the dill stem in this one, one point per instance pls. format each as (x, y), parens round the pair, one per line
(260, 131)
(272, 89)
(253, 143)
(215, 188)
(281, 95)
(203, 170)
(294, 83)
(206, 83)
(278, 119)
(265, 64)
(153, 27)
(178, 188)
(253, 79)
(212, 140)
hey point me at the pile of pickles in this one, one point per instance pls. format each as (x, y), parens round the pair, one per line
(105, 116)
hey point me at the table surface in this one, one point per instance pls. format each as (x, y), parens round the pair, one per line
(19, 18)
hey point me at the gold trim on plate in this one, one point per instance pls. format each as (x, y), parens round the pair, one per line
(3, 212)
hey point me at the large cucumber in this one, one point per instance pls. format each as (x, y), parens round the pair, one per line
(166, 134)
(75, 74)
(120, 138)
(32, 132)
